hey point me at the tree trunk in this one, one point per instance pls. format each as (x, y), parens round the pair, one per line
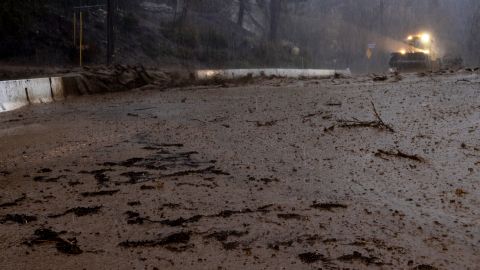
(274, 19)
(241, 13)
(181, 12)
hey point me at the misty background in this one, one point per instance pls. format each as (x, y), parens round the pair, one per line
(236, 33)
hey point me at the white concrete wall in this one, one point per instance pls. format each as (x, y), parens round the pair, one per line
(58, 88)
(18, 93)
(13, 95)
(39, 90)
(290, 73)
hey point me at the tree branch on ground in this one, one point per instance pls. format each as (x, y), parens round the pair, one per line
(399, 154)
(378, 123)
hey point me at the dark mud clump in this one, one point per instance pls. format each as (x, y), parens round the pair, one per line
(79, 211)
(45, 236)
(131, 162)
(135, 203)
(176, 238)
(171, 205)
(14, 202)
(424, 267)
(69, 247)
(223, 235)
(276, 245)
(100, 193)
(265, 208)
(229, 213)
(181, 221)
(173, 163)
(310, 257)
(137, 177)
(292, 216)
(208, 170)
(162, 145)
(101, 178)
(230, 245)
(327, 206)
(99, 175)
(135, 218)
(357, 256)
(18, 218)
(45, 179)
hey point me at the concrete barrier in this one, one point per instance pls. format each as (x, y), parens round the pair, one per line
(58, 88)
(38, 90)
(13, 95)
(290, 73)
(19, 93)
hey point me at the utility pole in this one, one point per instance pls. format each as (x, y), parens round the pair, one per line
(110, 27)
(110, 30)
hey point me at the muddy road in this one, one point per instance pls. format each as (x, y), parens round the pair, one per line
(283, 174)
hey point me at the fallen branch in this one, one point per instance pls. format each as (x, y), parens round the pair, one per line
(398, 154)
(378, 123)
(309, 117)
(380, 120)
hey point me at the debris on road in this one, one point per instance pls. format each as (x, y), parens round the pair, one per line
(18, 218)
(172, 239)
(14, 202)
(357, 256)
(100, 193)
(45, 236)
(311, 257)
(378, 123)
(224, 235)
(79, 211)
(173, 192)
(327, 206)
(399, 154)
(379, 78)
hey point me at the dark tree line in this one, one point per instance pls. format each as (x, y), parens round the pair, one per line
(321, 33)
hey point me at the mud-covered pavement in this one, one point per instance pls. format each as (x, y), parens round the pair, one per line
(283, 174)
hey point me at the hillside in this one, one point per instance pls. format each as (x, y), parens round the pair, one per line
(146, 33)
(235, 33)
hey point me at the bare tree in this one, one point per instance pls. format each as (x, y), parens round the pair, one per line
(275, 7)
(181, 12)
(241, 12)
